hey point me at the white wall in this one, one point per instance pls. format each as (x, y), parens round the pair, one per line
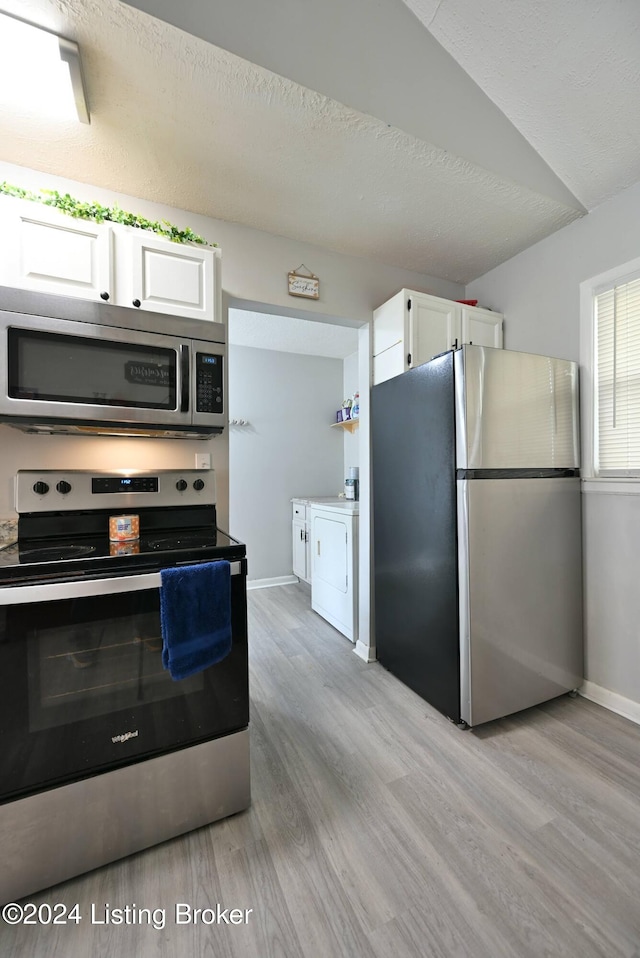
(351, 384)
(538, 291)
(288, 449)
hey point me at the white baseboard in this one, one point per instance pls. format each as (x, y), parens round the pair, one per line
(366, 652)
(612, 701)
(269, 583)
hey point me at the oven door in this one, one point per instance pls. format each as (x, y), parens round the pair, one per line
(60, 370)
(82, 687)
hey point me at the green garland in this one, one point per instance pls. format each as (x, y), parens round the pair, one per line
(101, 214)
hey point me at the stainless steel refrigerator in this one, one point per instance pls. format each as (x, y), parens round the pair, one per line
(477, 531)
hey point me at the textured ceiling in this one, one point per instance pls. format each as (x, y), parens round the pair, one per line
(287, 334)
(565, 72)
(179, 120)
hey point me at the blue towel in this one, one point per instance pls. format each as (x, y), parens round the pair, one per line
(195, 615)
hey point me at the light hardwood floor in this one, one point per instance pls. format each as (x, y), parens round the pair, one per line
(378, 829)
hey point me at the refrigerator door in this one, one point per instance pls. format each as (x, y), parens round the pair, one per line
(414, 526)
(515, 410)
(520, 593)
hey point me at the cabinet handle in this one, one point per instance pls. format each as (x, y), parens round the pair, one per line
(137, 302)
(318, 547)
(455, 344)
(408, 359)
(104, 296)
(302, 535)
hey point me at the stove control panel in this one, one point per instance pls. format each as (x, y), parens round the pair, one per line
(54, 491)
(105, 485)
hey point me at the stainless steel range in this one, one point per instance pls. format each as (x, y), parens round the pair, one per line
(103, 752)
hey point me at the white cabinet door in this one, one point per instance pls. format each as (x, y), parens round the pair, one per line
(172, 278)
(481, 327)
(389, 323)
(300, 547)
(389, 363)
(49, 252)
(433, 327)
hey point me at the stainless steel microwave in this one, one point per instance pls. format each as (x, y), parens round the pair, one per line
(75, 366)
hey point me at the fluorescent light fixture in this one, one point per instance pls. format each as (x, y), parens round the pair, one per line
(40, 72)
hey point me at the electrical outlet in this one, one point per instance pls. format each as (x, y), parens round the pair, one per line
(203, 460)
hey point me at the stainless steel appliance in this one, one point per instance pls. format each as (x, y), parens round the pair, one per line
(103, 753)
(77, 366)
(477, 530)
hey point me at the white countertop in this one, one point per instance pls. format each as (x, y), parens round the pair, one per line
(332, 503)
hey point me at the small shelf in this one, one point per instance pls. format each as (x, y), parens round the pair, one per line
(349, 424)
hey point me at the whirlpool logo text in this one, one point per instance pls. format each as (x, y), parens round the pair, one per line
(124, 737)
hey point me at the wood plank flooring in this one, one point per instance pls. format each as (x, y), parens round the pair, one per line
(379, 829)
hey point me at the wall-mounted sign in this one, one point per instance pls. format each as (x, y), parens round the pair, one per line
(304, 284)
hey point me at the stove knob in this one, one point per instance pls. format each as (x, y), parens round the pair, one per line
(40, 488)
(198, 485)
(63, 487)
(181, 485)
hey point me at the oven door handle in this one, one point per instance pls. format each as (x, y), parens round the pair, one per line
(81, 588)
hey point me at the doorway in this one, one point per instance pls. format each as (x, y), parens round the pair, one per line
(288, 378)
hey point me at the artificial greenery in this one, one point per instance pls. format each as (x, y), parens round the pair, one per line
(102, 214)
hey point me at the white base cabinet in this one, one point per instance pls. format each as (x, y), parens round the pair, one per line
(44, 250)
(411, 328)
(301, 546)
(334, 551)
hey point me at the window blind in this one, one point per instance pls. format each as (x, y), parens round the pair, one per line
(617, 318)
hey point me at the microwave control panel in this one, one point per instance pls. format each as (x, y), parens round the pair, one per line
(209, 383)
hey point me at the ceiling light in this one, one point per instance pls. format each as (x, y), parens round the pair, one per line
(40, 72)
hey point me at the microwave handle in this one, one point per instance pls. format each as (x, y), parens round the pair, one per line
(84, 588)
(185, 355)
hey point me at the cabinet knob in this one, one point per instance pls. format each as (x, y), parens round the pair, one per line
(104, 296)
(137, 302)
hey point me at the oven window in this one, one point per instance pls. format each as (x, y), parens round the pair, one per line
(75, 369)
(95, 656)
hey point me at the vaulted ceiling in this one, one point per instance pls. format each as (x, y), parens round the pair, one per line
(437, 135)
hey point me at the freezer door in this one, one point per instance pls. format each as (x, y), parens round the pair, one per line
(414, 526)
(515, 410)
(520, 576)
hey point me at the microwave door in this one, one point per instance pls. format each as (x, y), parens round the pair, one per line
(60, 370)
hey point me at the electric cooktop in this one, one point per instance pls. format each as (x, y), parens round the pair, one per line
(43, 558)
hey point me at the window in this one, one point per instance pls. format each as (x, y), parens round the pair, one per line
(612, 302)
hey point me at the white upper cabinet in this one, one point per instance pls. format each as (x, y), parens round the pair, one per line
(482, 327)
(49, 252)
(171, 277)
(433, 328)
(411, 328)
(46, 251)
